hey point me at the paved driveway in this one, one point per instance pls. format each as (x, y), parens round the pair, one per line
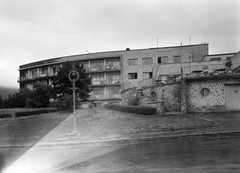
(228, 121)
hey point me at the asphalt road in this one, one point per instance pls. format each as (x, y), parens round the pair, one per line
(214, 155)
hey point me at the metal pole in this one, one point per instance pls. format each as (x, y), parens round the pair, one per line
(74, 110)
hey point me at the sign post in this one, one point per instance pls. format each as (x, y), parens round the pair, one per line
(73, 77)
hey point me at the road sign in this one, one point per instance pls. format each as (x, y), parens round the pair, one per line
(73, 76)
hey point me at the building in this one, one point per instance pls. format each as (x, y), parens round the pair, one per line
(115, 71)
(211, 85)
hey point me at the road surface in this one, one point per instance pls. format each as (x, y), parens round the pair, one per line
(214, 155)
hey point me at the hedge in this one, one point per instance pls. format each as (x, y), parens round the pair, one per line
(34, 112)
(145, 110)
(5, 115)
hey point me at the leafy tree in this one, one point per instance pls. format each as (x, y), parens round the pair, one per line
(27, 98)
(62, 85)
(16, 100)
(39, 97)
(1, 102)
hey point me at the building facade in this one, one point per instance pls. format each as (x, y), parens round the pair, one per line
(115, 71)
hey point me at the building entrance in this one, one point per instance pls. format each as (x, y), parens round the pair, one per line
(232, 96)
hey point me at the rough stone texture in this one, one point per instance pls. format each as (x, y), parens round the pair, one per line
(185, 96)
(159, 105)
(214, 102)
(184, 103)
(126, 95)
(170, 94)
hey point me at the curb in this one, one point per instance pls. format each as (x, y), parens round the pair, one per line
(127, 141)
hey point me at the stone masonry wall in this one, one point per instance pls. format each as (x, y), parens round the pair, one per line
(170, 94)
(214, 102)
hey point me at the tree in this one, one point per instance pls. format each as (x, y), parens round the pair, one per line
(62, 85)
(40, 96)
(1, 102)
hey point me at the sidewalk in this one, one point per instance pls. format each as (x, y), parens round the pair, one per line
(227, 125)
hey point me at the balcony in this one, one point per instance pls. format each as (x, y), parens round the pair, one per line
(104, 69)
(113, 68)
(113, 82)
(105, 97)
(97, 83)
(105, 82)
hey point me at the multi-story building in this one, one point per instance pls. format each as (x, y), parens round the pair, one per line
(115, 71)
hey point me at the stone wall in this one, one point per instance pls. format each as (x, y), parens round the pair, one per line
(126, 95)
(186, 96)
(170, 94)
(214, 101)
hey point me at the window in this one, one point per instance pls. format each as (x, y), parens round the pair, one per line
(97, 79)
(176, 59)
(113, 78)
(98, 93)
(147, 75)
(85, 65)
(34, 73)
(113, 92)
(132, 76)
(44, 71)
(215, 59)
(132, 61)
(153, 95)
(228, 58)
(147, 61)
(163, 60)
(205, 92)
(97, 65)
(113, 63)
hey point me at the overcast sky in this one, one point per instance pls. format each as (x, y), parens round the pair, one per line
(32, 30)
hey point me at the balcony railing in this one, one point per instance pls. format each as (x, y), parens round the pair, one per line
(100, 97)
(99, 82)
(24, 78)
(104, 68)
(105, 82)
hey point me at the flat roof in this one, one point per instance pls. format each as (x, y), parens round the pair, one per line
(219, 54)
(54, 60)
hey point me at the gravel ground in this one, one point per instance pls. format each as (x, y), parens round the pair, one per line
(92, 124)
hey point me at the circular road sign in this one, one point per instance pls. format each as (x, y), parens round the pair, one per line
(73, 76)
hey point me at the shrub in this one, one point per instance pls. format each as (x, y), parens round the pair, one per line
(34, 112)
(65, 102)
(133, 101)
(5, 115)
(145, 110)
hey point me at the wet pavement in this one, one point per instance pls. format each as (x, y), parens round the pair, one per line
(142, 152)
(215, 155)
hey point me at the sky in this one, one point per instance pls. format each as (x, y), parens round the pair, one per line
(33, 30)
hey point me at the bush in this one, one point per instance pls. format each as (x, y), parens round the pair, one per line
(34, 112)
(65, 103)
(5, 115)
(133, 101)
(145, 110)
